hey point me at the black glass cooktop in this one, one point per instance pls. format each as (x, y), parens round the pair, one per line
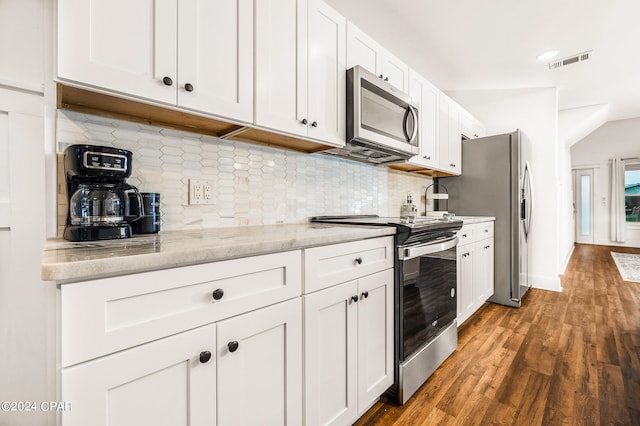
(422, 229)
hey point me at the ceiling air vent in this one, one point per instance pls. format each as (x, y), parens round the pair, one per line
(570, 60)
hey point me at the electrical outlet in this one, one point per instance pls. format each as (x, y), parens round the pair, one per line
(201, 191)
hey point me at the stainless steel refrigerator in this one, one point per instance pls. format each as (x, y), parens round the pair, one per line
(496, 181)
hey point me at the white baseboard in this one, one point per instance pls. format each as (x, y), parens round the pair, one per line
(635, 244)
(566, 260)
(545, 283)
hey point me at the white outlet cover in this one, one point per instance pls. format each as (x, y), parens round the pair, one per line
(201, 191)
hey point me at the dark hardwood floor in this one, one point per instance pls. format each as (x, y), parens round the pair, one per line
(570, 358)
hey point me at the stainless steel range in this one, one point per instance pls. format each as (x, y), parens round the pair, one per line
(426, 331)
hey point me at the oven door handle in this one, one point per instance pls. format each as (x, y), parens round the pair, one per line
(405, 253)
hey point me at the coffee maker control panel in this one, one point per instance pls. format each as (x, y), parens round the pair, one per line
(105, 161)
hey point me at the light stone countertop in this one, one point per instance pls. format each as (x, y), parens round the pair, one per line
(468, 220)
(65, 261)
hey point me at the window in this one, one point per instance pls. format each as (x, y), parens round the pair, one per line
(632, 192)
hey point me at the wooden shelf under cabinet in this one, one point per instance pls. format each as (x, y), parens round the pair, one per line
(406, 167)
(105, 105)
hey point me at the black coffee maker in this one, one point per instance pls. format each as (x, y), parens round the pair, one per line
(101, 205)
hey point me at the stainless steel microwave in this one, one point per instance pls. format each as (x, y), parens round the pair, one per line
(380, 117)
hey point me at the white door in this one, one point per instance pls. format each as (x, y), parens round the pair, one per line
(215, 57)
(169, 382)
(330, 355)
(281, 65)
(260, 367)
(120, 45)
(583, 194)
(375, 337)
(326, 74)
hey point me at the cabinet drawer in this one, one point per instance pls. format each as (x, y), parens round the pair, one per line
(107, 315)
(334, 264)
(465, 235)
(475, 232)
(484, 230)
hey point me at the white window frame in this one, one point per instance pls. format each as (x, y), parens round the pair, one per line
(632, 165)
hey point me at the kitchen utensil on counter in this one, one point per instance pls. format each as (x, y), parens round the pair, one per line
(102, 205)
(436, 200)
(149, 223)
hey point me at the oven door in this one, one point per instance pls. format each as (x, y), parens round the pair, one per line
(427, 291)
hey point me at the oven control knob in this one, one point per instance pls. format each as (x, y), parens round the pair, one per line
(453, 292)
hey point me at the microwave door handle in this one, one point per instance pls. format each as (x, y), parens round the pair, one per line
(414, 131)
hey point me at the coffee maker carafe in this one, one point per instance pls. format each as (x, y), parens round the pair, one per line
(102, 205)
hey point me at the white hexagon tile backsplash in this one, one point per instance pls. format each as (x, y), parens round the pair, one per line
(253, 184)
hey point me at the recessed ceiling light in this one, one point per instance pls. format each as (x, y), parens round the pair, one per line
(545, 56)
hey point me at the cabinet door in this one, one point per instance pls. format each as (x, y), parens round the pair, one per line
(120, 45)
(466, 124)
(465, 283)
(281, 65)
(478, 129)
(330, 355)
(363, 50)
(215, 57)
(260, 367)
(326, 74)
(395, 71)
(485, 276)
(449, 140)
(168, 382)
(426, 95)
(455, 140)
(375, 337)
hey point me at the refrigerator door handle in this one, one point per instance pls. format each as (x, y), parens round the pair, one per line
(526, 201)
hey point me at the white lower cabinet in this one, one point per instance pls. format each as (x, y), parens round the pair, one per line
(475, 268)
(348, 348)
(194, 378)
(260, 367)
(169, 382)
(222, 343)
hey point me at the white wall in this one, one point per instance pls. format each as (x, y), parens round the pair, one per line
(27, 304)
(535, 112)
(619, 139)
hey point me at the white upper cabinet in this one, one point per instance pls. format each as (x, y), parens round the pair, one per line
(24, 44)
(300, 69)
(364, 51)
(193, 53)
(281, 65)
(395, 71)
(426, 96)
(449, 137)
(124, 46)
(327, 77)
(215, 57)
